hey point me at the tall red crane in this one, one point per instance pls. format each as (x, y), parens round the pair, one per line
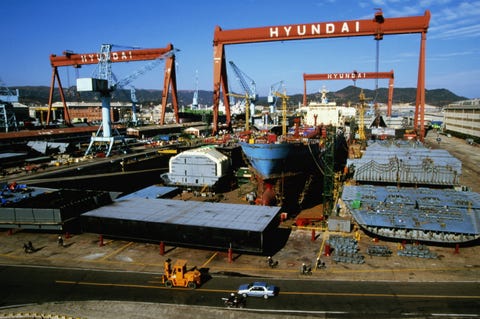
(377, 27)
(130, 55)
(352, 76)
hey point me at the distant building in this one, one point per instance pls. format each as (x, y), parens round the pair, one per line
(463, 117)
(92, 111)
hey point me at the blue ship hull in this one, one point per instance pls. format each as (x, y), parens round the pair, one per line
(274, 160)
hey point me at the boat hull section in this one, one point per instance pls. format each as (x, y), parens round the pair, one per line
(273, 160)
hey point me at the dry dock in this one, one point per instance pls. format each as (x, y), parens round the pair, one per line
(304, 245)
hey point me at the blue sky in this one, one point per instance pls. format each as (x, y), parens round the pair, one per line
(34, 29)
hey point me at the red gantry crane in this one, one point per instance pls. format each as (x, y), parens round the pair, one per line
(351, 76)
(130, 55)
(377, 27)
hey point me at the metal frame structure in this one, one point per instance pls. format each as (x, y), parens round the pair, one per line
(130, 55)
(377, 27)
(249, 87)
(352, 76)
(8, 119)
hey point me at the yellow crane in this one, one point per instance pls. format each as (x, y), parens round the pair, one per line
(247, 108)
(361, 116)
(284, 110)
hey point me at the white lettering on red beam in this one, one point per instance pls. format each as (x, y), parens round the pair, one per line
(335, 76)
(114, 56)
(313, 29)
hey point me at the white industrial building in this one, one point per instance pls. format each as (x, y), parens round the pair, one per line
(200, 167)
(463, 117)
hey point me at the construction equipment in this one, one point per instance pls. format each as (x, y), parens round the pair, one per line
(377, 27)
(284, 98)
(195, 93)
(361, 117)
(249, 87)
(179, 276)
(129, 55)
(352, 76)
(133, 98)
(272, 100)
(103, 82)
(247, 108)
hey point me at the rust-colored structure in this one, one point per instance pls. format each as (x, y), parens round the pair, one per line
(131, 55)
(352, 76)
(378, 26)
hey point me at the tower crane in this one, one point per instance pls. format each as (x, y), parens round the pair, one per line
(247, 107)
(249, 86)
(195, 93)
(377, 27)
(284, 98)
(272, 99)
(133, 98)
(361, 116)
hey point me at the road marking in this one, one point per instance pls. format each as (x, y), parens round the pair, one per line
(324, 238)
(454, 315)
(117, 251)
(351, 294)
(209, 260)
(308, 293)
(106, 284)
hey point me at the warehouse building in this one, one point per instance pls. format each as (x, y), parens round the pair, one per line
(147, 216)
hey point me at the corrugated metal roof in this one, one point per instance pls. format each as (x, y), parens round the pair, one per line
(153, 191)
(207, 151)
(190, 213)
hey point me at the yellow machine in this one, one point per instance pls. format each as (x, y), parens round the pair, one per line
(179, 276)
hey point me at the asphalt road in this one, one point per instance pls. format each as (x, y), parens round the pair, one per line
(339, 299)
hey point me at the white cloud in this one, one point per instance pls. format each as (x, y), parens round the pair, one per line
(455, 31)
(460, 21)
(443, 56)
(404, 11)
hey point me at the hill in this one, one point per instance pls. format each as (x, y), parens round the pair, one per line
(38, 95)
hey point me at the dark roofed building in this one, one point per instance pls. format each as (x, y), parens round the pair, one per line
(244, 228)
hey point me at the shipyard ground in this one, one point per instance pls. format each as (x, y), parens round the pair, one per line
(304, 246)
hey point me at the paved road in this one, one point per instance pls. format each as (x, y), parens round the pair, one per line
(24, 285)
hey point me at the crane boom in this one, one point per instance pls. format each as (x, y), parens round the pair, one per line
(249, 88)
